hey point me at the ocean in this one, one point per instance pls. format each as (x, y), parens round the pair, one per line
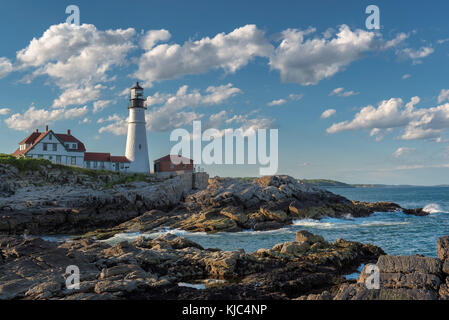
(396, 233)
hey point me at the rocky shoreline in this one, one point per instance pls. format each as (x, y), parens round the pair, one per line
(308, 268)
(52, 200)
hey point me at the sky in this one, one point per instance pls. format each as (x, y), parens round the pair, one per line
(351, 104)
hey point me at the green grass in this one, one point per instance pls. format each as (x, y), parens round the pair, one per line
(127, 178)
(23, 164)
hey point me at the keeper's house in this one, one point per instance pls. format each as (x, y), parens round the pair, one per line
(165, 165)
(66, 149)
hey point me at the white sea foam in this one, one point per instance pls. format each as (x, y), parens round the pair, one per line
(433, 208)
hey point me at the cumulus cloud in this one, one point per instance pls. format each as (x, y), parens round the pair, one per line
(308, 61)
(75, 95)
(117, 125)
(4, 111)
(443, 96)
(406, 76)
(76, 58)
(5, 67)
(295, 96)
(100, 105)
(424, 123)
(277, 102)
(416, 54)
(328, 113)
(229, 52)
(172, 113)
(402, 151)
(342, 93)
(34, 118)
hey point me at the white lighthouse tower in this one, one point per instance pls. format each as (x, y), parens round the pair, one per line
(136, 142)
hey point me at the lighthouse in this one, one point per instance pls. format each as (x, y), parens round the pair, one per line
(136, 141)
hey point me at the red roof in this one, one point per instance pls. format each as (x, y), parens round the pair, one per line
(70, 138)
(101, 156)
(97, 156)
(119, 159)
(36, 136)
(32, 140)
(175, 156)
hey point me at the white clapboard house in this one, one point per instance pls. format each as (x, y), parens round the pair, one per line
(66, 149)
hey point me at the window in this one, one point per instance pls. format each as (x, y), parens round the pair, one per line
(55, 147)
(58, 159)
(73, 160)
(45, 147)
(87, 164)
(140, 146)
(50, 158)
(122, 165)
(73, 146)
(50, 137)
(39, 156)
(95, 164)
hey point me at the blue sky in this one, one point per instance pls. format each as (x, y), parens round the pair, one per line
(267, 64)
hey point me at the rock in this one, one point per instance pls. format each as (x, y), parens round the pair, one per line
(409, 264)
(267, 225)
(306, 236)
(416, 212)
(443, 248)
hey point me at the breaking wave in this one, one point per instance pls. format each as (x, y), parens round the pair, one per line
(433, 208)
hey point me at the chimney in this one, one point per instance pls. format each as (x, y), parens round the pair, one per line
(68, 132)
(46, 128)
(37, 130)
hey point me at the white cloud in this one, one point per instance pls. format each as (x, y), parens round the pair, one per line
(5, 67)
(424, 123)
(76, 112)
(295, 97)
(154, 36)
(277, 102)
(76, 58)
(172, 114)
(389, 114)
(77, 96)
(118, 125)
(4, 111)
(402, 151)
(229, 51)
(416, 54)
(100, 105)
(341, 93)
(443, 96)
(308, 61)
(406, 76)
(441, 41)
(34, 118)
(328, 113)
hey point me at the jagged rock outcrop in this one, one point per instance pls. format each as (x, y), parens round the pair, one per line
(153, 268)
(50, 200)
(400, 278)
(271, 202)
